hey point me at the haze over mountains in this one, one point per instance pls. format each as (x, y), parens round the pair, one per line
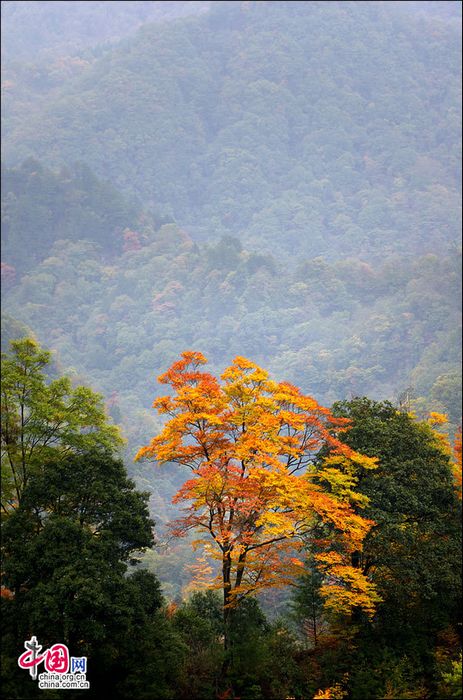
(48, 28)
(303, 128)
(277, 180)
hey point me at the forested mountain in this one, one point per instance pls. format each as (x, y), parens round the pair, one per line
(306, 128)
(275, 182)
(119, 302)
(265, 121)
(40, 207)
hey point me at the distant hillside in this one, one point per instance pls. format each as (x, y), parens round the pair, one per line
(302, 128)
(120, 315)
(41, 30)
(40, 207)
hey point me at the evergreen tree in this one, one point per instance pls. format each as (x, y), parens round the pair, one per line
(70, 535)
(411, 554)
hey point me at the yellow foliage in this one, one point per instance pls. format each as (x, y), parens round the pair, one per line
(437, 418)
(335, 692)
(250, 443)
(457, 474)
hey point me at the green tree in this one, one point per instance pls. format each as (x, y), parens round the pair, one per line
(66, 549)
(73, 524)
(199, 623)
(44, 419)
(307, 603)
(412, 553)
(65, 554)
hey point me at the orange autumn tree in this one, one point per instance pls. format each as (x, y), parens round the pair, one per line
(457, 461)
(436, 421)
(251, 444)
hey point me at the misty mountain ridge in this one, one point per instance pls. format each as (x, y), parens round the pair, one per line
(300, 128)
(301, 161)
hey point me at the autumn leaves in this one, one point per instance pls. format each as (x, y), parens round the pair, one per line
(261, 490)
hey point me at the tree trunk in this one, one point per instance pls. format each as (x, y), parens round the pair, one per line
(227, 616)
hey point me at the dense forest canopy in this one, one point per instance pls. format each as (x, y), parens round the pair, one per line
(266, 120)
(278, 181)
(120, 298)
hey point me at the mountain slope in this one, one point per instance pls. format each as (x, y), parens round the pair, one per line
(307, 128)
(121, 315)
(40, 207)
